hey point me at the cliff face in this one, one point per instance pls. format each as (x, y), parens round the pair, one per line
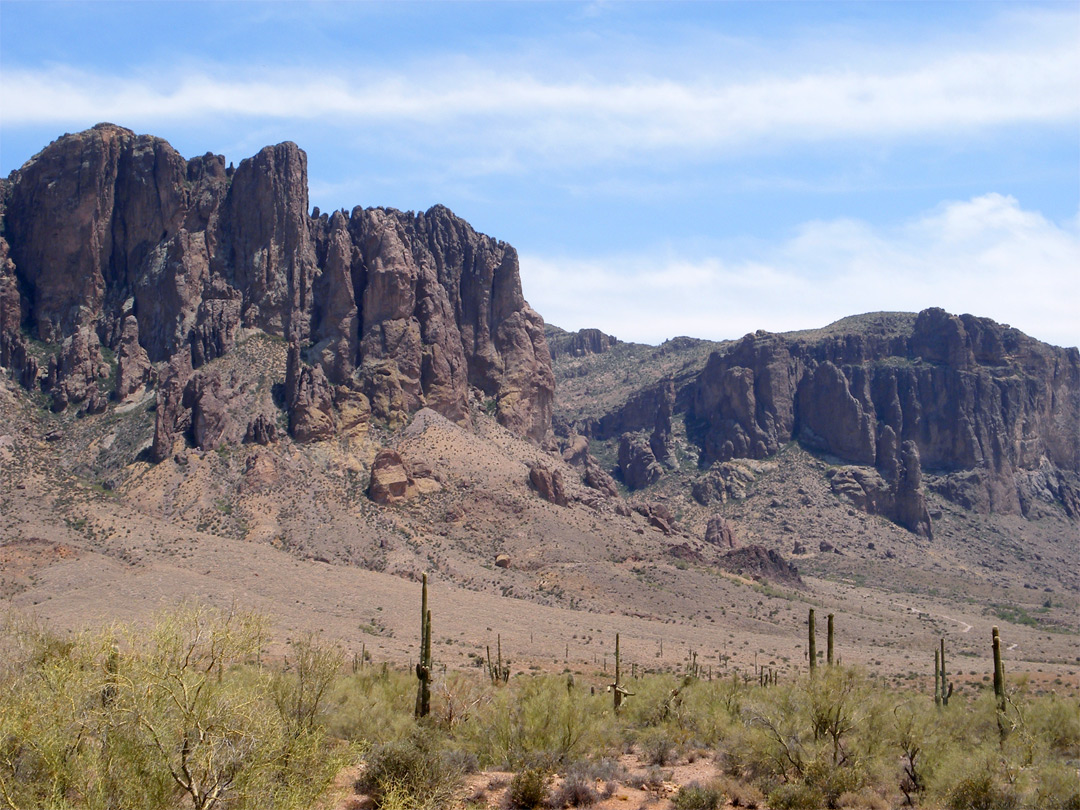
(992, 413)
(113, 241)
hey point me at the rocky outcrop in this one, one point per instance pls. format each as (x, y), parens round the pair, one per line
(549, 483)
(643, 410)
(722, 482)
(895, 491)
(974, 404)
(406, 310)
(394, 480)
(582, 343)
(171, 417)
(760, 563)
(309, 399)
(133, 368)
(719, 532)
(390, 481)
(637, 464)
(575, 452)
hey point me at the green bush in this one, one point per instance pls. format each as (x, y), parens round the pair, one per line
(528, 789)
(980, 791)
(575, 791)
(1058, 788)
(414, 770)
(698, 797)
(182, 716)
(796, 796)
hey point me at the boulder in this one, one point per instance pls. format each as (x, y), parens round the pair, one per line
(549, 483)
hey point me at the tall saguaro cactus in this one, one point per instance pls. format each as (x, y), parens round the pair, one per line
(616, 688)
(999, 684)
(423, 668)
(829, 647)
(812, 637)
(946, 687)
(937, 678)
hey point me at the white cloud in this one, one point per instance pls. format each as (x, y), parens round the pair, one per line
(528, 110)
(986, 255)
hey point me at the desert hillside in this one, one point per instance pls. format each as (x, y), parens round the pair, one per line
(212, 391)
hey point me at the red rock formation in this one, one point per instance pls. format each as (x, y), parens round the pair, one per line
(974, 403)
(405, 310)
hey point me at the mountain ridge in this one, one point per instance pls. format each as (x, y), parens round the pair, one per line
(193, 358)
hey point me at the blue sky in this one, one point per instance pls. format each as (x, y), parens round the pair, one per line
(663, 169)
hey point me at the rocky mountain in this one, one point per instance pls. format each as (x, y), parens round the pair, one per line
(208, 389)
(122, 261)
(977, 411)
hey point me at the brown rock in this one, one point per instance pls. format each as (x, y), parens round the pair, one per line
(390, 480)
(581, 343)
(411, 310)
(549, 483)
(718, 532)
(171, 418)
(502, 561)
(758, 562)
(261, 430)
(976, 398)
(77, 368)
(309, 400)
(596, 477)
(133, 369)
(637, 464)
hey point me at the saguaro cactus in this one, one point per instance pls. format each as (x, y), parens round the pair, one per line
(423, 667)
(616, 688)
(812, 638)
(496, 671)
(937, 677)
(946, 687)
(999, 684)
(829, 647)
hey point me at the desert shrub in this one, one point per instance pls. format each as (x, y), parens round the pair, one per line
(301, 690)
(576, 790)
(604, 769)
(652, 777)
(373, 706)
(657, 747)
(796, 796)
(862, 800)
(536, 720)
(180, 716)
(1056, 722)
(1057, 788)
(741, 794)
(698, 797)
(752, 754)
(832, 781)
(528, 789)
(413, 770)
(981, 791)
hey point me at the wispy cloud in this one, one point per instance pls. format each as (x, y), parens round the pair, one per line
(528, 111)
(986, 255)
